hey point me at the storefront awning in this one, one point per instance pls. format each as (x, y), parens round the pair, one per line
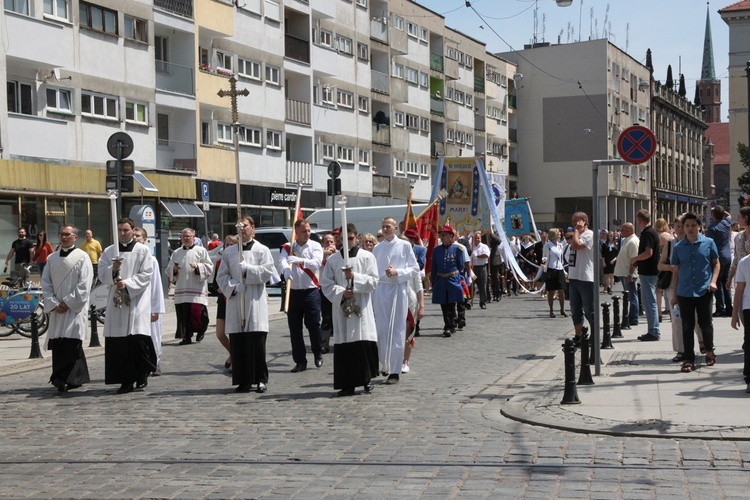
(181, 209)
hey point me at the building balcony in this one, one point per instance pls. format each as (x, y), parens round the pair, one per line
(174, 78)
(381, 185)
(182, 8)
(297, 48)
(298, 111)
(436, 62)
(437, 149)
(379, 82)
(479, 122)
(479, 84)
(381, 134)
(513, 168)
(299, 172)
(437, 106)
(512, 101)
(378, 30)
(513, 134)
(176, 156)
(40, 42)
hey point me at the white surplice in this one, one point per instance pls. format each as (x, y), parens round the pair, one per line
(67, 280)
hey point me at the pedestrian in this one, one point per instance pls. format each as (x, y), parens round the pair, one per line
(350, 289)
(720, 231)
(581, 273)
(741, 244)
(242, 278)
(326, 314)
(480, 256)
(21, 250)
(157, 301)
(647, 262)
(368, 242)
(41, 251)
(189, 269)
(301, 260)
(497, 269)
(695, 271)
(553, 261)
(215, 242)
(627, 272)
(609, 251)
(665, 236)
(66, 285)
(94, 250)
(742, 303)
(221, 305)
(396, 266)
(445, 276)
(129, 354)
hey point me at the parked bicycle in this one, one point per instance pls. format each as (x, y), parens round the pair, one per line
(18, 301)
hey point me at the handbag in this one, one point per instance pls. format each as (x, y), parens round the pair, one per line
(664, 280)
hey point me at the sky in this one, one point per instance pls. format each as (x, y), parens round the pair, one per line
(673, 30)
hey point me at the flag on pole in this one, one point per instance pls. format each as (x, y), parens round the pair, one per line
(427, 227)
(410, 222)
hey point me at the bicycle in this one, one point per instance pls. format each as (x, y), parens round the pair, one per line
(17, 294)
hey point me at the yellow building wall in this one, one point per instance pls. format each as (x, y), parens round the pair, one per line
(216, 164)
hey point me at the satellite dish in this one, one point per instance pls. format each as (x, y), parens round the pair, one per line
(120, 145)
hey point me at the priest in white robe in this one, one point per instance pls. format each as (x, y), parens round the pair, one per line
(66, 283)
(129, 355)
(396, 266)
(157, 301)
(246, 278)
(355, 353)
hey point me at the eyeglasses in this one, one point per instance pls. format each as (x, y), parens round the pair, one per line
(352, 237)
(66, 235)
(568, 237)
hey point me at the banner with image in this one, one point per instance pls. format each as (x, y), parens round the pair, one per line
(517, 217)
(459, 177)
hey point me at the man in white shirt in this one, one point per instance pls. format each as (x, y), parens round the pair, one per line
(627, 272)
(480, 256)
(581, 273)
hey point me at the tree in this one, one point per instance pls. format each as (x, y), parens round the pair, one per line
(744, 180)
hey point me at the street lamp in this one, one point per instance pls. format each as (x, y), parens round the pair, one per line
(564, 3)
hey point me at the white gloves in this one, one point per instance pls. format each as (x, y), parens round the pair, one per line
(244, 266)
(240, 288)
(295, 260)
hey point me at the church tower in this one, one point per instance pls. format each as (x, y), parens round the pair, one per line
(709, 87)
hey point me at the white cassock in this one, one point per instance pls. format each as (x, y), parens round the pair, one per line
(135, 271)
(157, 307)
(391, 300)
(67, 279)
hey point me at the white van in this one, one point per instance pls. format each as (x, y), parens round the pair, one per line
(366, 219)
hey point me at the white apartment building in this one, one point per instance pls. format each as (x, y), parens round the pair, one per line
(574, 100)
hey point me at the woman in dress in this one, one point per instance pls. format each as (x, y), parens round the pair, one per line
(665, 236)
(552, 258)
(609, 252)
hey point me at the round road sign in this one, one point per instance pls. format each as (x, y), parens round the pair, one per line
(120, 145)
(636, 144)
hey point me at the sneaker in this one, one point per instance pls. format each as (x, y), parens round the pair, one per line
(405, 368)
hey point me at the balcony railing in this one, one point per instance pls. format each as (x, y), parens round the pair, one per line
(381, 185)
(182, 8)
(379, 30)
(379, 82)
(479, 83)
(437, 149)
(174, 78)
(297, 171)
(298, 111)
(297, 48)
(512, 101)
(176, 155)
(437, 106)
(479, 122)
(381, 134)
(436, 62)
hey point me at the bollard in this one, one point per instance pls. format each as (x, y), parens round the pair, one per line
(570, 397)
(94, 328)
(36, 353)
(616, 332)
(640, 301)
(625, 325)
(606, 338)
(585, 376)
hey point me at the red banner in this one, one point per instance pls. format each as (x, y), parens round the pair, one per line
(427, 227)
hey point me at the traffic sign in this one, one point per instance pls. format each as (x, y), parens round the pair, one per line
(636, 144)
(204, 192)
(126, 184)
(119, 145)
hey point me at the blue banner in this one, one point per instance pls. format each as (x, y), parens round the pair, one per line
(17, 307)
(517, 217)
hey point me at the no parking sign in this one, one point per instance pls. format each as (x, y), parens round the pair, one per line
(636, 144)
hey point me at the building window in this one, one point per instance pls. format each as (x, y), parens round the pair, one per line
(327, 94)
(398, 23)
(326, 38)
(99, 105)
(59, 100)
(273, 139)
(19, 98)
(412, 75)
(469, 139)
(344, 154)
(469, 101)
(450, 135)
(162, 129)
(364, 157)
(412, 29)
(136, 112)
(98, 18)
(469, 61)
(362, 3)
(344, 44)
(423, 34)
(424, 80)
(398, 70)
(364, 104)
(224, 62)
(224, 132)
(206, 134)
(399, 166)
(424, 124)
(398, 118)
(135, 29)
(363, 51)
(273, 75)
(248, 69)
(458, 96)
(411, 167)
(345, 99)
(56, 8)
(20, 6)
(424, 169)
(328, 151)
(412, 121)
(249, 136)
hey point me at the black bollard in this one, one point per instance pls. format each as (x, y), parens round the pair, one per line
(585, 376)
(570, 397)
(616, 332)
(36, 353)
(606, 338)
(625, 325)
(640, 301)
(94, 328)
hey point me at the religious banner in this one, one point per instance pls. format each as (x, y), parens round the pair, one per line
(518, 217)
(459, 177)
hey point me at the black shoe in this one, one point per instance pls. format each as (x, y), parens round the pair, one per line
(392, 379)
(349, 391)
(369, 387)
(227, 365)
(324, 350)
(446, 333)
(299, 368)
(59, 384)
(141, 385)
(199, 336)
(157, 372)
(461, 325)
(482, 306)
(648, 338)
(261, 388)
(186, 341)
(243, 388)
(125, 388)
(453, 331)
(318, 360)
(468, 306)
(718, 314)
(72, 386)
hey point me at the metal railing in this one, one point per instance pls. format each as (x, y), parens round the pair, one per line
(437, 149)
(298, 171)
(379, 30)
(176, 155)
(296, 48)
(436, 62)
(379, 82)
(512, 101)
(479, 122)
(437, 105)
(479, 83)
(381, 134)
(381, 185)
(174, 78)
(298, 111)
(182, 8)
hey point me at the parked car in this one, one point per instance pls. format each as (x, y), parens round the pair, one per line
(275, 237)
